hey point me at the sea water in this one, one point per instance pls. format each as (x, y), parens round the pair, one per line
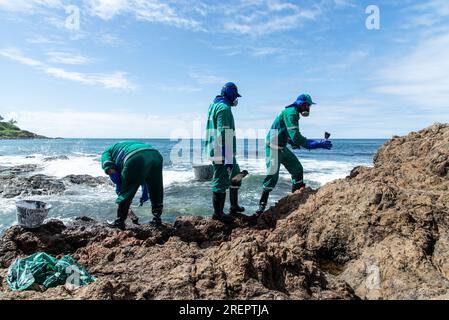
(182, 194)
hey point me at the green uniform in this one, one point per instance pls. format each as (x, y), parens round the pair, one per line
(221, 145)
(138, 164)
(285, 129)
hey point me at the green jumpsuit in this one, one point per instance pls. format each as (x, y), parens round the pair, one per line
(220, 138)
(285, 129)
(139, 164)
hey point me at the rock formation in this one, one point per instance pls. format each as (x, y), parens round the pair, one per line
(24, 181)
(381, 233)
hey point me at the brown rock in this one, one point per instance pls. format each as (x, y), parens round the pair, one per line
(381, 233)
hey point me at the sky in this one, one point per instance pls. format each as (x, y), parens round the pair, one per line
(150, 68)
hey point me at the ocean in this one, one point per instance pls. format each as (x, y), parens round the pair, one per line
(183, 195)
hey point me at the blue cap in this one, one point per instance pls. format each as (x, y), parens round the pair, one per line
(304, 98)
(230, 91)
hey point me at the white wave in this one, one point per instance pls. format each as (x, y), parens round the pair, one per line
(10, 161)
(174, 177)
(77, 165)
(320, 171)
(7, 205)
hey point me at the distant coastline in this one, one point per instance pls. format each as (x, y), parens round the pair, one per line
(9, 131)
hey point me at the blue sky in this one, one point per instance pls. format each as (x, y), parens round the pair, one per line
(150, 68)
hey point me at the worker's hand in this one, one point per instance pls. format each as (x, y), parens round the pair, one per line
(144, 198)
(111, 171)
(326, 144)
(116, 177)
(118, 188)
(318, 144)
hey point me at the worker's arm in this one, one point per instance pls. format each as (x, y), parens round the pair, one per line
(296, 138)
(225, 134)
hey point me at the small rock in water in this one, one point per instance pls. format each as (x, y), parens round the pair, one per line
(53, 158)
(86, 179)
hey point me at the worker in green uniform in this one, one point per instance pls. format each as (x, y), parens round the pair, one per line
(131, 164)
(221, 149)
(285, 130)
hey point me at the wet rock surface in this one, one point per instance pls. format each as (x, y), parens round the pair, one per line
(25, 180)
(87, 180)
(54, 158)
(381, 233)
(39, 184)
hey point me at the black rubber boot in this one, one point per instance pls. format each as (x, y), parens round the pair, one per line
(298, 186)
(218, 200)
(263, 202)
(157, 212)
(122, 214)
(133, 217)
(235, 209)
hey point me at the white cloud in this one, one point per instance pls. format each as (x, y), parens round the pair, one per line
(347, 61)
(68, 58)
(344, 3)
(69, 123)
(28, 5)
(255, 17)
(107, 9)
(422, 77)
(17, 55)
(204, 77)
(116, 80)
(111, 39)
(426, 14)
(40, 39)
(147, 10)
(266, 16)
(265, 51)
(245, 17)
(254, 51)
(178, 88)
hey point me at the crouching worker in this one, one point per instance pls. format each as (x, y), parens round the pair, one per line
(131, 164)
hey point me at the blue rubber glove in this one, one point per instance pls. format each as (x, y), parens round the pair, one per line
(326, 144)
(144, 198)
(318, 144)
(116, 177)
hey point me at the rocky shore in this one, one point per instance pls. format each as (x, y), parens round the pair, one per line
(381, 233)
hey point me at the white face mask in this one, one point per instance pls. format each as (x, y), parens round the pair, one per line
(236, 102)
(305, 113)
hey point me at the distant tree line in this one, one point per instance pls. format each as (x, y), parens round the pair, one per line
(11, 121)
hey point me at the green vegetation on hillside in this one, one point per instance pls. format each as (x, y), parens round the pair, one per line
(9, 130)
